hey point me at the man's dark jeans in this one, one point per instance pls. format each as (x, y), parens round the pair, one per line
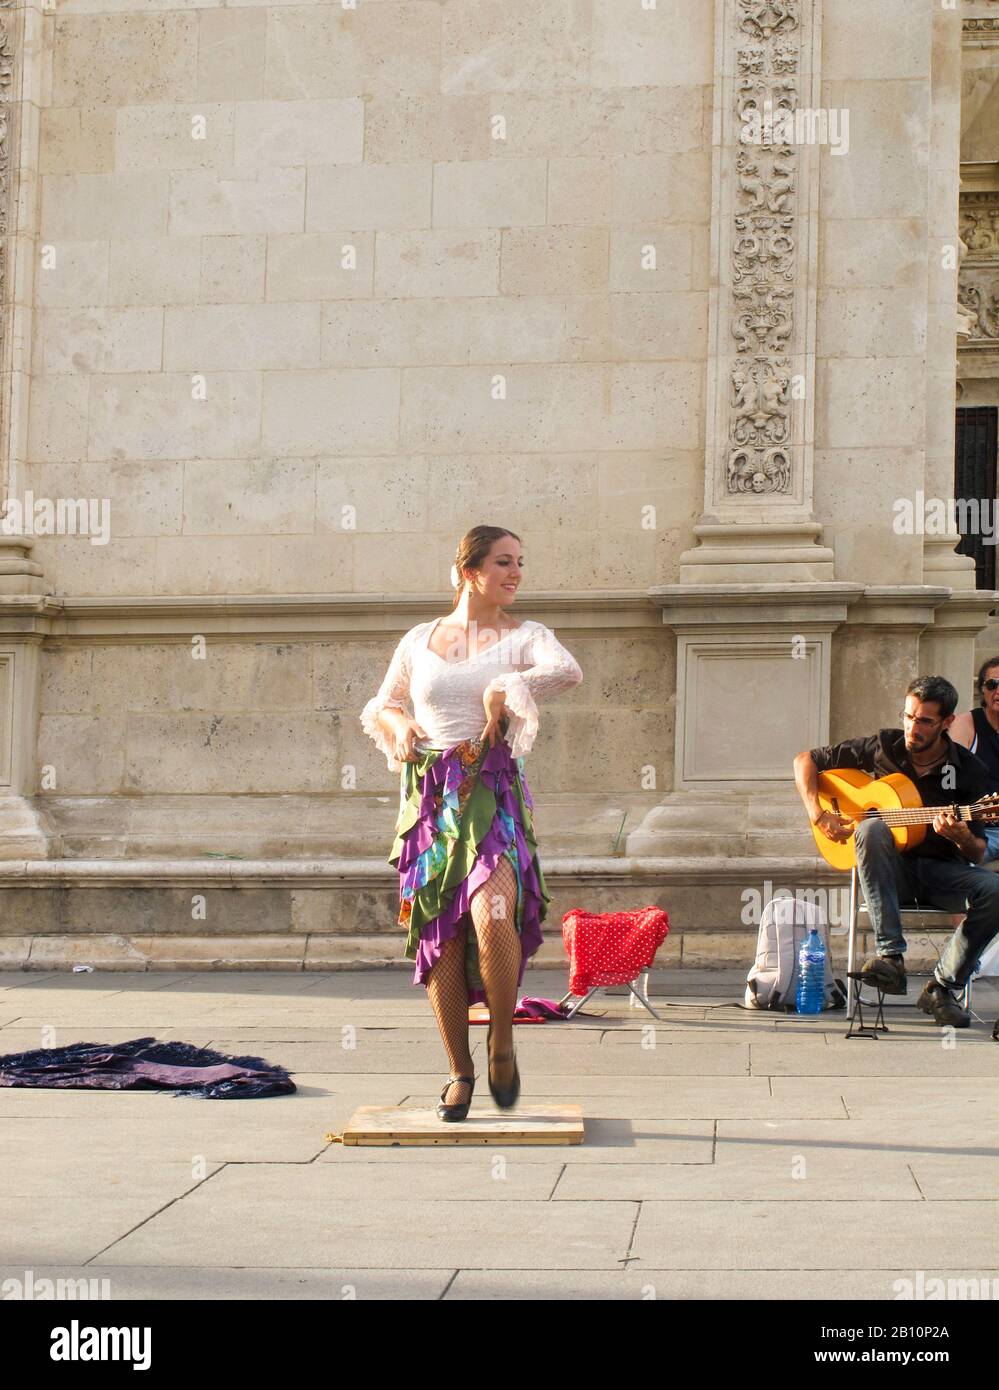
(889, 878)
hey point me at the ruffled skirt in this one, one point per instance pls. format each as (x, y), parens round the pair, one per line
(461, 810)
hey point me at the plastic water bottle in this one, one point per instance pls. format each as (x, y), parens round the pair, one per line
(811, 974)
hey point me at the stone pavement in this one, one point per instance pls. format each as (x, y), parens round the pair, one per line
(727, 1154)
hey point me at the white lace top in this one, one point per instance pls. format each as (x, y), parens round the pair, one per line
(445, 697)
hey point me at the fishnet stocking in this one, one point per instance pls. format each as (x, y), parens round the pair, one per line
(449, 997)
(493, 909)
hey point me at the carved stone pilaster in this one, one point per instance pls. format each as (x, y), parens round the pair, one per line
(762, 356)
(761, 352)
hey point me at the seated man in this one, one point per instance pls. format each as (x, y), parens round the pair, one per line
(942, 871)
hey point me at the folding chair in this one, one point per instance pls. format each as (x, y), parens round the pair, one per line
(853, 987)
(640, 994)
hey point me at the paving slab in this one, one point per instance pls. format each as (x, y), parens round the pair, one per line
(67, 1227)
(214, 1283)
(970, 1056)
(813, 1235)
(292, 1226)
(831, 1177)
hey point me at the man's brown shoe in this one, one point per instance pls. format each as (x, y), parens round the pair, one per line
(886, 973)
(936, 999)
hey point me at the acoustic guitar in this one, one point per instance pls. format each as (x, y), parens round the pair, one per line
(894, 799)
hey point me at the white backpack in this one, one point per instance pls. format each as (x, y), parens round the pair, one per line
(772, 983)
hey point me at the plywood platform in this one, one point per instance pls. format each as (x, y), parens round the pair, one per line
(526, 1124)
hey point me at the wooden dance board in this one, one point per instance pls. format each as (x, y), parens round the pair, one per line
(527, 1124)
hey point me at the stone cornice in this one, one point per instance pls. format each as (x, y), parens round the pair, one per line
(164, 617)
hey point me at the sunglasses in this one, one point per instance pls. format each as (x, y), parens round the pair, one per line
(990, 684)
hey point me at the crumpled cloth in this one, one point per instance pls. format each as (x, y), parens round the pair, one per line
(611, 948)
(145, 1064)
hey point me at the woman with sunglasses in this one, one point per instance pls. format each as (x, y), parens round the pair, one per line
(978, 729)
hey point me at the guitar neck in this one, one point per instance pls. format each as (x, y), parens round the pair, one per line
(917, 815)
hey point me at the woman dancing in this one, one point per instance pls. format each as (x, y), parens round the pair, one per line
(465, 847)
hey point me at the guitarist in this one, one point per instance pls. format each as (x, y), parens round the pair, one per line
(943, 870)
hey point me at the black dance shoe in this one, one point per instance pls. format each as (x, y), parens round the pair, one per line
(506, 1097)
(455, 1112)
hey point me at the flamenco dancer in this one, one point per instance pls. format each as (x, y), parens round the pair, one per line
(471, 891)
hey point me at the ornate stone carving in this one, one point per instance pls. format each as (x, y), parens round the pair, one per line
(978, 278)
(763, 251)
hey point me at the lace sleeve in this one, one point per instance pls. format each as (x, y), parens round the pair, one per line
(552, 669)
(393, 694)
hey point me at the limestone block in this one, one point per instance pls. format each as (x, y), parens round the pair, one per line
(872, 402)
(666, 480)
(369, 197)
(79, 753)
(704, 950)
(437, 263)
(858, 487)
(309, 565)
(329, 412)
(878, 253)
(397, 332)
(490, 193)
(77, 139)
(14, 951)
(235, 337)
(231, 53)
(388, 495)
(57, 420)
(554, 260)
(73, 273)
(78, 567)
(538, 328)
(219, 953)
(407, 564)
(118, 59)
(232, 677)
(66, 680)
(144, 499)
(580, 192)
(232, 269)
(162, 270)
(89, 207)
(653, 259)
(104, 952)
(100, 340)
(659, 326)
(321, 265)
(885, 172)
(230, 564)
(889, 40)
(599, 123)
(163, 416)
(325, 952)
(563, 407)
(402, 129)
(195, 135)
(28, 911)
(869, 322)
(229, 753)
(523, 45)
(321, 913)
(638, 47)
(387, 49)
(661, 188)
(268, 200)
(256, 497)
(299, 132)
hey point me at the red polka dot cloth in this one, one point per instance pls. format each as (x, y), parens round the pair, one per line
(611, 948)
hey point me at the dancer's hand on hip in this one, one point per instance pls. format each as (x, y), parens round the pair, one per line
(406, 733)
(494, 703)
